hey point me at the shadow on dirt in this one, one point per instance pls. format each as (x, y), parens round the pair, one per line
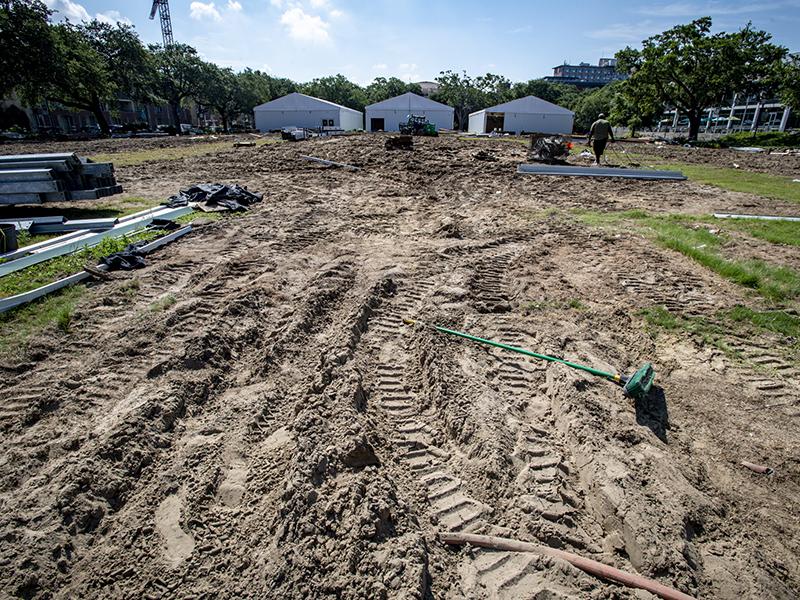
(652, 412)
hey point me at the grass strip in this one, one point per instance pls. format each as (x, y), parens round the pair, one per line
(59, 267)
(677, 232)
(55, 310)
(779, 187)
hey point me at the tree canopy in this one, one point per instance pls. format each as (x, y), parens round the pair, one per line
(690, 68)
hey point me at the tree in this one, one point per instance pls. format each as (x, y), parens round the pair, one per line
(495, 89)
(689, 68)
(178, 76)
(634, 106)
(337, 89)
(92, 64)
(221, 90)
(27, 44)
(591, 104)
(790, 89)
(557, 93)
(383, 89)
(460, 92)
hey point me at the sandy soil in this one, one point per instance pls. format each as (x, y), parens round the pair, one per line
(278, 431)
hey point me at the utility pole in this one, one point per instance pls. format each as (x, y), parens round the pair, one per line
(162, 7)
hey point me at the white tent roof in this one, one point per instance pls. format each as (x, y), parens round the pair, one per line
(410, 101)
(298, 101)
(530, 105)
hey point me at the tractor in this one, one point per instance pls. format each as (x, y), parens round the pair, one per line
(418, 125)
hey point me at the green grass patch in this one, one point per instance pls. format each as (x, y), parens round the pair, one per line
(185, 150)
(778, 187)
(776, 321)
(738, 180)
(57, 268)
(55, 311)
(677, 232)
(716, 330)
(163, 303)
(776, 232)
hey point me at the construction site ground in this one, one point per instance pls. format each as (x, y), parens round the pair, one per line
(250, 417)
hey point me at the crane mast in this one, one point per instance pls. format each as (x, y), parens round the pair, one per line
(162, 7)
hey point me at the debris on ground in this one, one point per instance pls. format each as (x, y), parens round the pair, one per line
(399, 142)
(329, 163)
(484, 155)
(549, 149)
(760, 469)
(213, 197)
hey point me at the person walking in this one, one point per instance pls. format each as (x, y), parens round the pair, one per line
(599, 135)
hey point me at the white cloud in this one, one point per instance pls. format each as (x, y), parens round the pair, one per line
(626, 32)
(68, 10)
(304, 27)
(201, 10)
(319, 3)
(380, 67)
(335, 13)
(112, 17)
(276, 3)
(409, 72)
(234, 6)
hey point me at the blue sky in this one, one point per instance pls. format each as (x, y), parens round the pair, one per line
(415, 39)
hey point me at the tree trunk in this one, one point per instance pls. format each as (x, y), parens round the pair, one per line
(694, 124)
(224, 122)
(176, 120)
(100, 117)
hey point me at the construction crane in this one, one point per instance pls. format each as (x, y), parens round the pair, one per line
(162, 6)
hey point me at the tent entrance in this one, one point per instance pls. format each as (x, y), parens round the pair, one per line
(377, 125)
(495, 122)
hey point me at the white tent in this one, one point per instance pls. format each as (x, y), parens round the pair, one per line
(529, 114)
(299, 110)
(387, 115)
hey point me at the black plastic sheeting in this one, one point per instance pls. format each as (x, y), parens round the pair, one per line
(131, 257)
(232, 197)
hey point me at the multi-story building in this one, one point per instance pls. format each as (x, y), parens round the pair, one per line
(585, 75)
(53, 117)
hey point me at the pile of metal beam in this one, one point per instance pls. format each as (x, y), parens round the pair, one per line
(38, 178)
(83, 238)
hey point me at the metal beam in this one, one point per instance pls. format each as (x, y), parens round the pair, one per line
(90, 239)
(7, 304)
(758, 217)
(570, 171)
(329, 163)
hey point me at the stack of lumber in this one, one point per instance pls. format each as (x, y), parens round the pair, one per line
(38, 178)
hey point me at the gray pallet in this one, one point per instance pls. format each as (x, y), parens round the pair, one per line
(574, 171)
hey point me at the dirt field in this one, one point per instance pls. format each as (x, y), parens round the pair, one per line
(249, 417)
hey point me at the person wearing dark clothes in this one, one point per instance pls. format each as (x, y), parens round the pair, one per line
(599, 135)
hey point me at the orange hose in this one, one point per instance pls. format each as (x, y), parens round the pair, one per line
(584, 564)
